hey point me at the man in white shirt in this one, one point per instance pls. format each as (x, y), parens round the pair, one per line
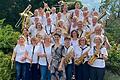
(49, 28)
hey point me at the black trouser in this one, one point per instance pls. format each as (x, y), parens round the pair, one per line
(85, 71)
(97, 73)
(78, 72)
(68, 71)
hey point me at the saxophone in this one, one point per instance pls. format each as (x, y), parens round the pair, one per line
(69, 55)
(94, 57)
(81, 58)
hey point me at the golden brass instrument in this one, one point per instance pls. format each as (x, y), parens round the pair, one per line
(69, 55)
(25, 16)
(94, 57)
(81, 58)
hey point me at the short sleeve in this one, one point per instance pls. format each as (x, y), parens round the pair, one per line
(104, 51)
(15, 49)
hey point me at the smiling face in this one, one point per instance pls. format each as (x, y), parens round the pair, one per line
(21, 41)
(82, 41)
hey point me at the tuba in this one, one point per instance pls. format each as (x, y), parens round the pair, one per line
(25, 16)
(81, 58)
(69, 55)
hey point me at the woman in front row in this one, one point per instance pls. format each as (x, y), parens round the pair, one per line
(57, 62)
(98, 54)
(81, 58)
(19, 58)
(45, 58)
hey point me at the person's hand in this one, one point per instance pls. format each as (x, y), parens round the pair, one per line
(48, 66)
(60, 68)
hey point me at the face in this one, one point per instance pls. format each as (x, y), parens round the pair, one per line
(67, 42)
(49, 21)
(39, 26)
(77, 5)
(94, 20)
(33, 41)
(36, 12)
(98, 30)
(57, 38)
(21, 40)
(47, 40)
(97, 40)
(25, 32)
(38, 38)
(74, 34)
(47, 15)
(59, 15)
(82, 41)
(80, 25)
(53, 10)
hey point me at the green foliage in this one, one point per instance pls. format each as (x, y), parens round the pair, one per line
(6, 73)
(110, 76)
(113, 63)
(8, 38)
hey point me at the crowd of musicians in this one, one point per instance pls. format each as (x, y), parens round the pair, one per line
(68, 45)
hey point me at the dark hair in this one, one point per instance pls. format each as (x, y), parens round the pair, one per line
(56, 34)
(74, 31)
(67, 38)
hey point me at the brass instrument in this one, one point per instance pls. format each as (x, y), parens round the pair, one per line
(94, 57)
(69, 55)
(81, 58)
(25, 16)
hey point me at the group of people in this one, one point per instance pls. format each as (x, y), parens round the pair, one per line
(68, 45)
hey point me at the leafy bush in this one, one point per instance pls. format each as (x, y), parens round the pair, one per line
(8, 38)
(6, 73)
(113, 63)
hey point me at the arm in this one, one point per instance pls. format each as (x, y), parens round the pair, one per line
(13, 56)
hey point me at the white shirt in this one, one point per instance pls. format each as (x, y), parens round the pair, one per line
(20, 51)
(74, 43)
(32, 29)
(34, 55)
(32, 20)
(43, 20)
(49, 29)
(53, 18)
(99, 63)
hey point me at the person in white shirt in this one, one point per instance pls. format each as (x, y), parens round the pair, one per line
(29, 66)
(34, 50)
(82, 68)
(32, 29)
(45, 59)
(19, 57)
(47, 15)
(43, 20)
(73, 25)
(65, 15)
(74, 40)
(49, 28)
(97, 63)
(69, 52)
(98, 31)
(53, 16)
(40, 30)
(27, 36)
(81, 30)
(36, 15)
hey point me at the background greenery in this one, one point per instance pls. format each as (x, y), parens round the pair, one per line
(9, 14)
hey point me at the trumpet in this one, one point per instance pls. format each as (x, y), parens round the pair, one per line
(69, 55)
(94, 57)
(81, 58)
